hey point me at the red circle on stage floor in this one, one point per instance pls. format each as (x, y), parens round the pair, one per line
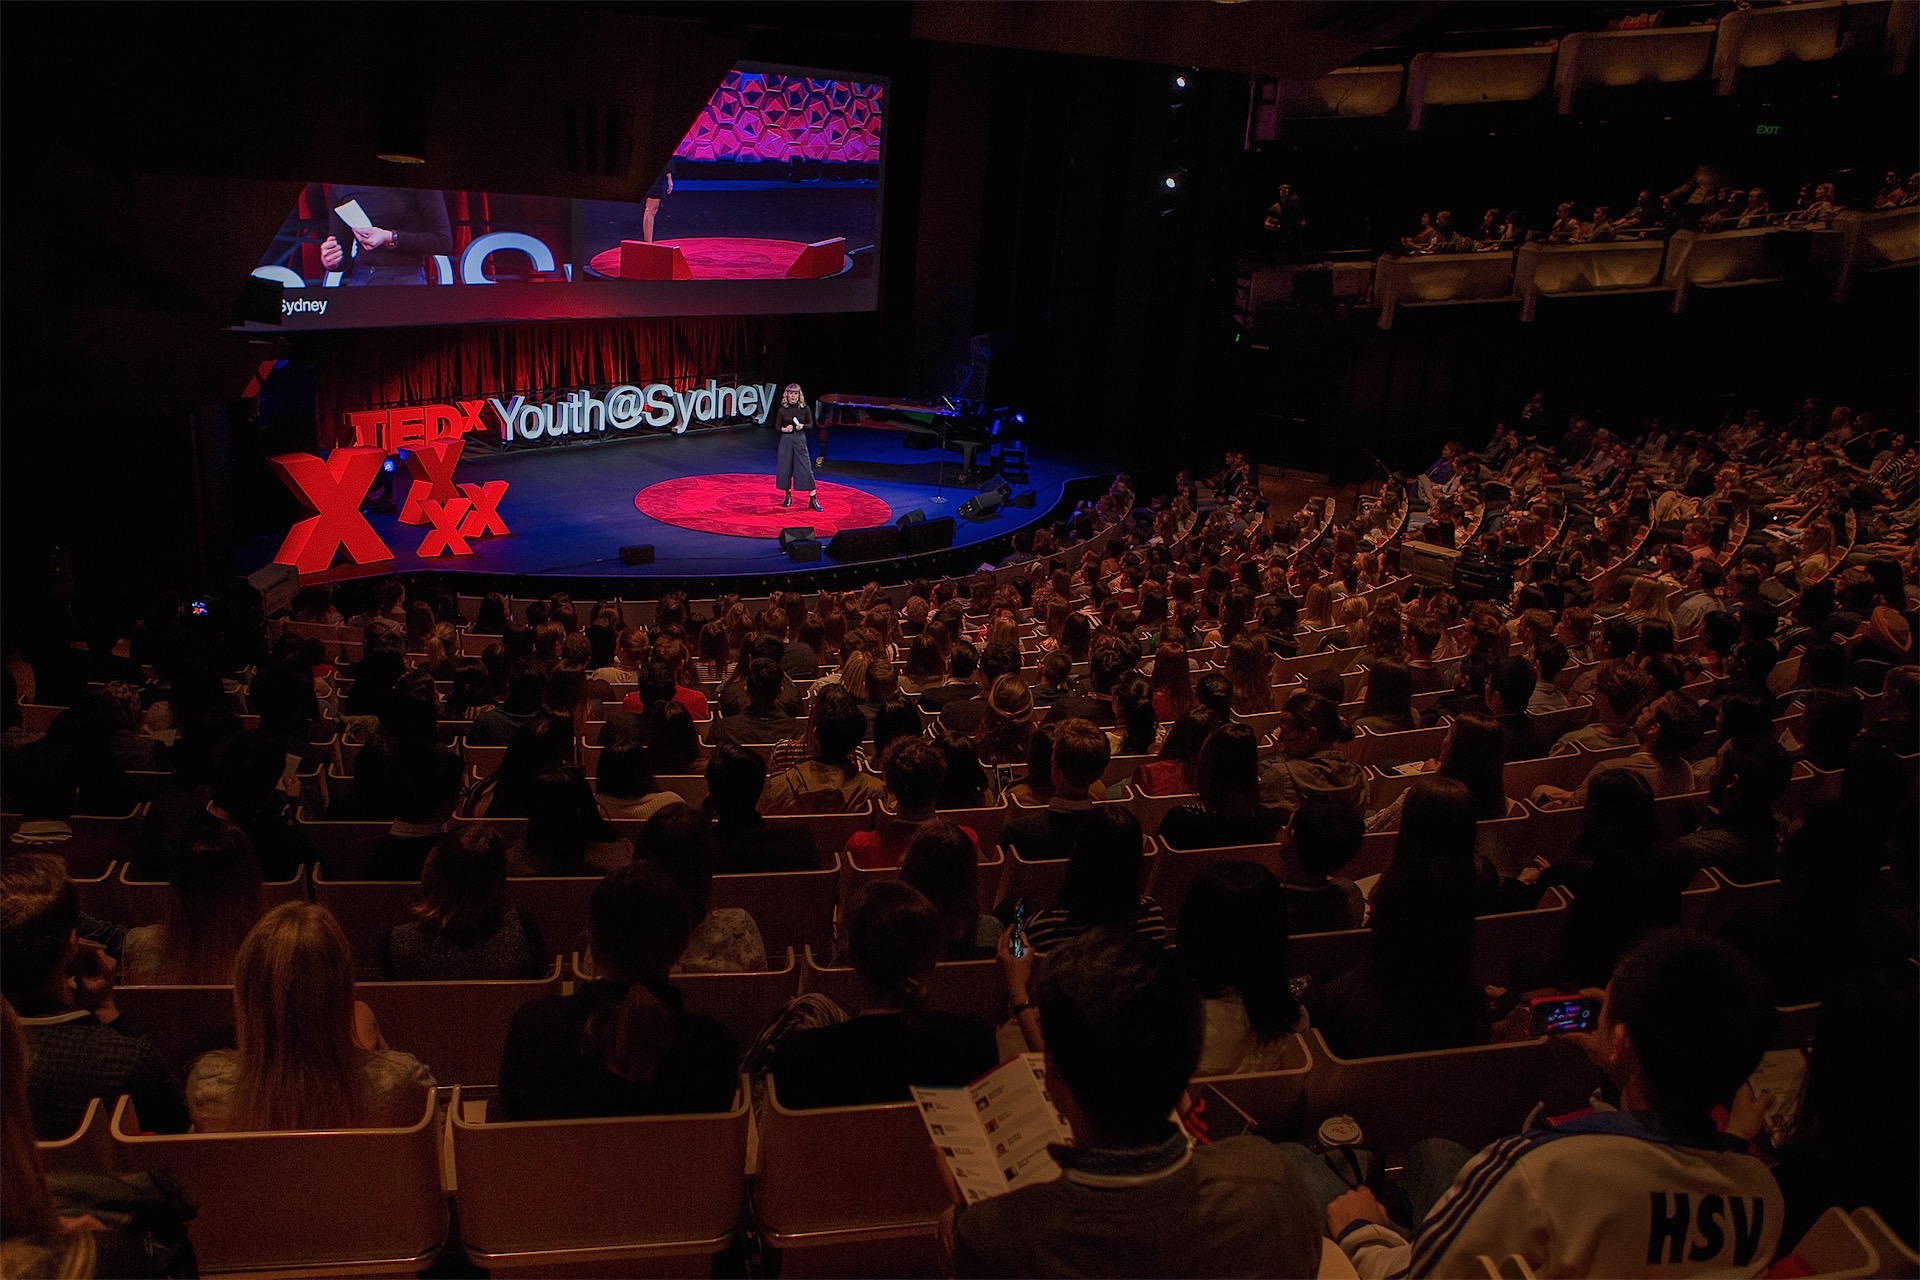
(720, 257)
(748, 506)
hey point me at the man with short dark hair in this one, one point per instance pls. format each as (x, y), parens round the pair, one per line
(1123, 1026)
(763, 719)
(967, 715)
(1510, 686)
(77, 1051)
(1549, 660)
(1111, 659)
(748, 843)
(1654, 1188)
(1317, 843)
(734, 694)
(1080, 754)
(1701, 598)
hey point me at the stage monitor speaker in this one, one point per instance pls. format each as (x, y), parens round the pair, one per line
(882, 542)
(912, 517)
(983, 504)
(928, 535)
(1024, 498)
(639, 553)
(802, 550)
(277, 584)
(798, 533)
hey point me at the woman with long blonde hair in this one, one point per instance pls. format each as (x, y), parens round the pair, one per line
(1647, 601)
(309, 1056)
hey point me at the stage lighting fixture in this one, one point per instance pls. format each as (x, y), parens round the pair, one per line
(1019, 418)
(1179, 79)
(1171, 182)
(386, 465)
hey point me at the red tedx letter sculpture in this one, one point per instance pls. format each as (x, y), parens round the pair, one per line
(446, 539)
(332, 489)
(484, 520)
(431, 466)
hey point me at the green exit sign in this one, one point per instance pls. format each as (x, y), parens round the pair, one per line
(1766, 130)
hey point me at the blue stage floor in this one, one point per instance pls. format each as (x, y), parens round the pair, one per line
(570, 509)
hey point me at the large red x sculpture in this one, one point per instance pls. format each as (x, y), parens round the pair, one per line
(484, 520)
(332, 488)
(446, 539)
(431, 466)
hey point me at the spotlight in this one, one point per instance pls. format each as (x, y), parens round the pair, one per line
(386, 465)
(1179, 79)
(1019, 417)
(1171, 182)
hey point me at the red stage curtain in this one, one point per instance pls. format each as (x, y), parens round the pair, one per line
(376, 368)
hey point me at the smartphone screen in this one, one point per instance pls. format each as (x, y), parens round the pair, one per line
(1556, 1015)
(1020, 929)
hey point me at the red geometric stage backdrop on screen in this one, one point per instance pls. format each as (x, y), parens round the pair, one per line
(332, 488)
(431, 466)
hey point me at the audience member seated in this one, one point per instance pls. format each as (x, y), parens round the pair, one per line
(1667, 728)
(1388, 706)
(1622, 882)
(1740, 836)
(1229, 811)
(894, 941)
(832, 781)
(1309, 764)
(1233, 940)
(1620, 689)
(763, 719)
(748, 843)
(525, 700)
(309, 1057)
(1172, 771)
(625, 786)
(1320, 838)
(1682, 1025)
(1510, 688)
(62, 989)
(1105, 873)
(1136, 1198)
(914, 771)
(566, 833)
(1414, 990)
(943, 862)
(213, 900)
(1078, 755)
(622, 1044)
(542, 744)
(463, 930)
(720, 939)
(427, 793)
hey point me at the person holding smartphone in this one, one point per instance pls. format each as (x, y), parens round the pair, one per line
(1651, 1188)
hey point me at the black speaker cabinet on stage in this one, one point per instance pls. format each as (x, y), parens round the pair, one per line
(927, 535)
(798, 533)
(1024, 498)
(983, 504)
(639, 553)
(882, 542)
(912, 517)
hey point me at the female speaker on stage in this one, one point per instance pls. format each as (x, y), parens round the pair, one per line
(793, 418)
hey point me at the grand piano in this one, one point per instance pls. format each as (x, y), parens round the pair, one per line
(954, 424)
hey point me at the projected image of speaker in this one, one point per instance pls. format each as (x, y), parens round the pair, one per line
(639, 553)
(881, 542)
(927, 535)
